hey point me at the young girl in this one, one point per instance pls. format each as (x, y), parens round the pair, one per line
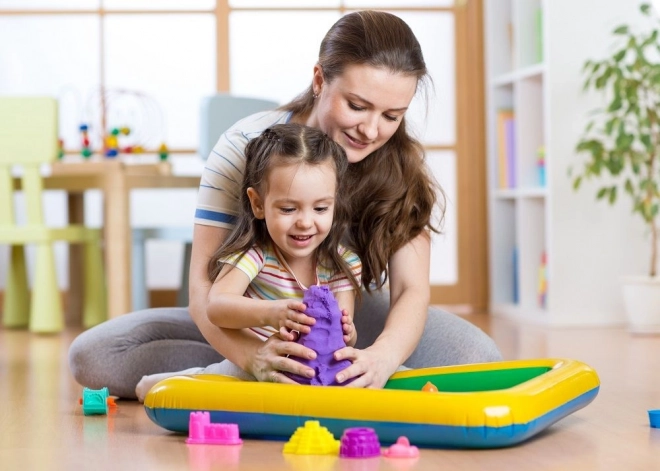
(287, 237)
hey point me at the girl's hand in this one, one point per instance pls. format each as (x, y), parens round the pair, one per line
(290, 317)
(370, 368)
(350, 333)
(276, 356)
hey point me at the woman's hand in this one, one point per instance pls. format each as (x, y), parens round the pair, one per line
(371, 367)
(350, 333)
(290, 317)
(277, 356)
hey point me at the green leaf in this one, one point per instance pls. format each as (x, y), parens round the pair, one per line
(590, 145)
(610, 125)
(629, 187)
(620, 55)
(623, 29)
(628, 141)
(601, 193)
(590, 126)
(604, 77)
(631, 88)
(613, 195)
(615, 105)
(597, 166)
(645, 8)
(647, 210)
(646, 140)
(651, 39)
(620, 141)
(576, 183)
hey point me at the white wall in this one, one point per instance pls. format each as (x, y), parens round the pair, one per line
(597, 243)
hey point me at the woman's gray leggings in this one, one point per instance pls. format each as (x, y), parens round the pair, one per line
(120, 351)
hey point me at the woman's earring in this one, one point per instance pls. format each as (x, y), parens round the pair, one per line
(315, 95)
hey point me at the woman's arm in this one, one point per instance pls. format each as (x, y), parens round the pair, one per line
(206, 240)
(409, 300)
(263, 360)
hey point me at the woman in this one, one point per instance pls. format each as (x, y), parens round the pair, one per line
(370, 66)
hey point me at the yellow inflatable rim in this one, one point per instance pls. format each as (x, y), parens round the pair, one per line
(508, 401)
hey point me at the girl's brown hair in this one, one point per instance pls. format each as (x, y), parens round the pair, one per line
(279, 145)
(392, 191)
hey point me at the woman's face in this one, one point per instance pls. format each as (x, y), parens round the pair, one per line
(362, 108)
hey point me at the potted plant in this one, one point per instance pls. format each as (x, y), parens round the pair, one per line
(622, 146)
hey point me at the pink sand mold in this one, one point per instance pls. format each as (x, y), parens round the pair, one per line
(325, 337)
(202, 432)
(359, 442)
(401, 449)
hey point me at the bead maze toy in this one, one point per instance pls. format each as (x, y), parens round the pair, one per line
(116, 121)
(163, 152)
(96, 401)
(85, 149)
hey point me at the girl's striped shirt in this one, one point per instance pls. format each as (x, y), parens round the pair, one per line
(270, 279)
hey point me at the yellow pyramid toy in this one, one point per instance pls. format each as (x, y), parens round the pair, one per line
(312, 439)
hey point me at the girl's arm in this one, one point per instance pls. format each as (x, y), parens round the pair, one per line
(242, 347)
(229, 308)
(409, 300)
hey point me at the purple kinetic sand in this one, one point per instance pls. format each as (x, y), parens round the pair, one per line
(325, 338)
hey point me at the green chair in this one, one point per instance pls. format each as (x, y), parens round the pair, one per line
(28, 139)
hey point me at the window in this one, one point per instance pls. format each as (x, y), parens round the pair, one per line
(146, 64)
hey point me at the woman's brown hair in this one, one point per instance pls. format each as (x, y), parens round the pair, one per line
(280, 145)
(393, 193)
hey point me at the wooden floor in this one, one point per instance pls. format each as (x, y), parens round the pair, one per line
(42, 426)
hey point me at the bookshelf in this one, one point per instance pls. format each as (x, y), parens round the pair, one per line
(533, 68)
(516, 117)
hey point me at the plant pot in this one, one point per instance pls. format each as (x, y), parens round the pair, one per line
(641, 299)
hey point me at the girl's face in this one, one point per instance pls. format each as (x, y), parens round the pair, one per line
(362, 108)
(298, 207)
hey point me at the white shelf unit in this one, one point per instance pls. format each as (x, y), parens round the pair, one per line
(518, 212)
(589, 245)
